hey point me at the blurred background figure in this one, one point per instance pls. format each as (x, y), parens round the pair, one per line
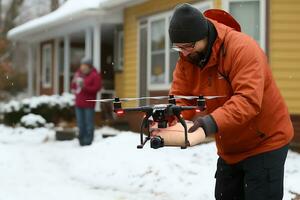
(85, 85)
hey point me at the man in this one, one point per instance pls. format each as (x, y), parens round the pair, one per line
(85, 85)
(251, 123)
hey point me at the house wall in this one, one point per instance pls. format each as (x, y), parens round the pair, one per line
(284, 45)
(126, 84)
(285, 49)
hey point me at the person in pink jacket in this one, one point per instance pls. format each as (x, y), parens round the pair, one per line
(85, 85)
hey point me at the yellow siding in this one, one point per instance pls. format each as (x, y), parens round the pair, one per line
(218, 4)
(285, 49)
(126, 84)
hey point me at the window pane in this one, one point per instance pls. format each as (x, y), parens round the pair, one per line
(158, 68)
(158, 35)
(47, 64)
(158, 52)
(247, 14)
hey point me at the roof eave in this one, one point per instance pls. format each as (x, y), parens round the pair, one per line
(16, 34)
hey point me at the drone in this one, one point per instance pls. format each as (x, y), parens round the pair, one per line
(160, 113)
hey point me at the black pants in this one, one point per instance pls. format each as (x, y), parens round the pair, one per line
(256, 178)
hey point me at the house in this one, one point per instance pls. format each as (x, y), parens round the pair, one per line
(57, 41)
(129, 40)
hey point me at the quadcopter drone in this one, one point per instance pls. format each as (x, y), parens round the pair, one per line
(160, 113)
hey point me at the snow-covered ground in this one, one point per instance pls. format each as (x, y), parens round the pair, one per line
(34, 166)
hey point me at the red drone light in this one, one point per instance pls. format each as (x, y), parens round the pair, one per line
(120, 112)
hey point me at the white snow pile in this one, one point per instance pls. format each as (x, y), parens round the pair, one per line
(35, 166)
(11, 106)
(33, 121)
(62, 101)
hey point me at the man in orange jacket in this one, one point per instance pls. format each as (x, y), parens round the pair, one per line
(251, 124)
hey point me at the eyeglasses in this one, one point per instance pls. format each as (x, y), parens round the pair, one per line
(184, 47)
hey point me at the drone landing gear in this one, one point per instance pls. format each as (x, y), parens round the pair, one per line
(145, 125)
(158, 142)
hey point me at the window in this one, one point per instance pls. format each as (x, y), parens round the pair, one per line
(160, 58)
(47, 65)
(251, 14)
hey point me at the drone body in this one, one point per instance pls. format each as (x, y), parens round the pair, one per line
(161, 114)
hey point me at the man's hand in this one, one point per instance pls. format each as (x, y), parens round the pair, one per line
(206, 122)
(198, 122)
(80, 81)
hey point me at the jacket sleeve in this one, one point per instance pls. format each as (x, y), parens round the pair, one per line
(94, 85)
(246, 75)
(179, 87)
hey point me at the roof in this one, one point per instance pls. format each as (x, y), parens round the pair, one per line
(68, 11)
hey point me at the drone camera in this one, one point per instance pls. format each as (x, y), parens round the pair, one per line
(156, 142)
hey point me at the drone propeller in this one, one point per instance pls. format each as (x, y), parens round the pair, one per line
(157, 98)
(197, 97)
(130, 99)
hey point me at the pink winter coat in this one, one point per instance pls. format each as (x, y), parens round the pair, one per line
(87, 90)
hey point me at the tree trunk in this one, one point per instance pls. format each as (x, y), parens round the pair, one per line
(54, 4)
(11, 14)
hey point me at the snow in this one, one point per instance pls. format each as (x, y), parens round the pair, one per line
(35, 166)
(69, 10)
(33, 120)
(62, 101)
(11, 106)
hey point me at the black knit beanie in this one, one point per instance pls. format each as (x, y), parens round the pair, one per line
(187, 25)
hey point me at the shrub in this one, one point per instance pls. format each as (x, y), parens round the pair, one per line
(53, 108)
(32, 121)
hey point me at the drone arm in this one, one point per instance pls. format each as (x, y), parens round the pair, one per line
(132, 109)
(188, 108)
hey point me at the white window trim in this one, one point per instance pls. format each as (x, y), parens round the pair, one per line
(138, 77)
(46, 84)
(165, 16)
(262, 12)
(120, 36)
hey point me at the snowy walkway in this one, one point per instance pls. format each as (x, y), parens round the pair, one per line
(35, 167)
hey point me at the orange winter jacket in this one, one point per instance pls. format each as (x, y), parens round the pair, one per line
(253, 117)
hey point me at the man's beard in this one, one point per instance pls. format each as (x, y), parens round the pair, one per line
(197, 58)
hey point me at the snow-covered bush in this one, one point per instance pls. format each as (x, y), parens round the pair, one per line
(52, 108)
(32, 121)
